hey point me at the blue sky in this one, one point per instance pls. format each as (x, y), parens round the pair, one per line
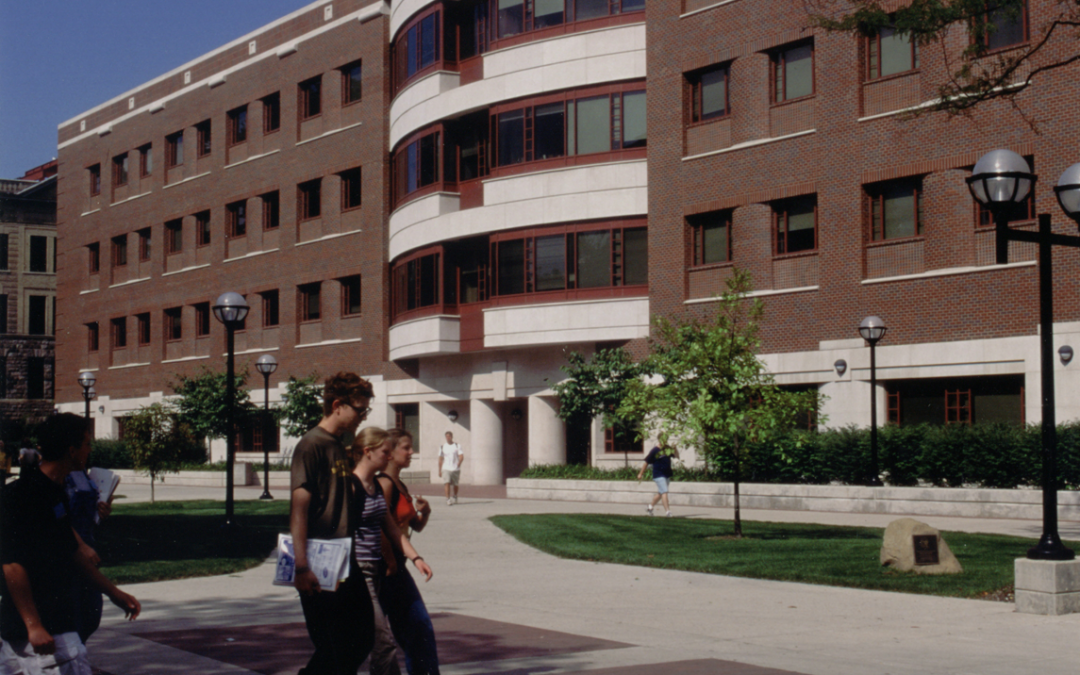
(59, 58)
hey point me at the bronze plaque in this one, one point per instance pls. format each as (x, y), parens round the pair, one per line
(926, 551)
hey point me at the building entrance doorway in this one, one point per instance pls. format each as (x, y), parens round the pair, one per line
(578, 440)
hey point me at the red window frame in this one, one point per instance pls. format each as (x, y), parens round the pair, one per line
(120, 170)
(146, 160)
(174, 149)
(271, 121)
(236, 219)
(309, 98)
(94, 173)
(174, 324)
(236, 131)
(778, 80)
(93, 252)
(119, 251)
(310, 302)
(271, 210)
(118, 333)
(93, 337)
(144, 244)
(348, 94)
(873, 47)
(984, 38)
(204, 139)
(958, 406)
(174, 236)
(202, 319)
(351, 287)
(351, 189)
(875, 211)
(271, 308)
(202, 229)
(142, 323)
(781, 221)
(697, 224)
(309, 199)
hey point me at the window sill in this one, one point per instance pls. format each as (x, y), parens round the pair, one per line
(710, 266)
(948, 272)
(185, 358)
(253, 254)
(186, 180)
(308, 119)
(707, 8)
(186, 269)
(892, 76)
(128, 283)
(709, 120)
(758, 294)
(327, 238)
(750, 144)
(329, 133)
(252, 159)
(328, 343)
(350, 209)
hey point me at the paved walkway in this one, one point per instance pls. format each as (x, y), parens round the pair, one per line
(503, 608)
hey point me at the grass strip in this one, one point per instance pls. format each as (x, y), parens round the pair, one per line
(176, 540)
(813, 554)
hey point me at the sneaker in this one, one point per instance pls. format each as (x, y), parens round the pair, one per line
(648, 509)
(449, 502)
(455, 499)
(668, 514)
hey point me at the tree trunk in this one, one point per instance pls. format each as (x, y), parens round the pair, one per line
(152, 487)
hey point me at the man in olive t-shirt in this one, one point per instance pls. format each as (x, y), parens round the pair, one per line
(338, 622)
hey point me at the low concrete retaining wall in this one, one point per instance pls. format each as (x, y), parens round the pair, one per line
(964, 502)
(245, 474)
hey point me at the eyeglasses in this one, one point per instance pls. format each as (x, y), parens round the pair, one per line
(362, 412)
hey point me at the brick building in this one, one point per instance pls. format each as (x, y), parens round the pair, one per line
(27, 297)
(482, 194)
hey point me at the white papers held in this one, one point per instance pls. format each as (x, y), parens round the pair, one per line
(105, 481)
(327, 558)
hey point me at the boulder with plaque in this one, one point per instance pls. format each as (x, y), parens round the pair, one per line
(913, 546)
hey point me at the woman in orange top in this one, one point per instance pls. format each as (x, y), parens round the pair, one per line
(409, 619)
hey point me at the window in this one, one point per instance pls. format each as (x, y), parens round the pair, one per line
(202, 228)
(890, 52)
(271, 213)
(119, 251)
(350, 189)
(202, 319)
(94, 173)
(407, 417)
(39, 254)
(350, 295)
(270, 309)
(793, 72)
(310, 103)
(711, 234)
(144, 244)
(1005, 27)
(174, 149)
(3, 313)
(237, 131)
(146, 160)
(309, 302)
(258, 432)
(710, 94)
(236, 219)
(93, 342)
(120, 170)
(964, 400)
(35, 377)
(796, 225)
(416, 165)
(203, 139)
(174, 326)
(416, 283)
(93, 257)
(142, 323)
(271, 112)
(309, 199)
(36, 309)
(895, 210)
(351, 83)
(622, 439)
(119, 333)
(174, 236)
(419, 48)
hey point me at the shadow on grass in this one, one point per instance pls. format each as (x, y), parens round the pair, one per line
(167, 540)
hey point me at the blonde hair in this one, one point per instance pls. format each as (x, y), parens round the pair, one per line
(369, 437)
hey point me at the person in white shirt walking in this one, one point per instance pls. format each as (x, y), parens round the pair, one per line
(450, 459)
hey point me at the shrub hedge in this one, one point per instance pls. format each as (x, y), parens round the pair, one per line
(989, 455)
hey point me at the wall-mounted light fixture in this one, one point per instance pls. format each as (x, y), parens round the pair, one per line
(841, 367)
(452, 416)
(1065, 353)
(101, 409)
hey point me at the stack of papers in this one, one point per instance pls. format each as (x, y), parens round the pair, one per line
(327, 558)
(105, 481)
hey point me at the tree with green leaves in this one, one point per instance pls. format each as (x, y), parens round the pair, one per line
(301, 408)
(705, 387)
(976, 72)
(157, 440)
(202, 401)
(596, 386)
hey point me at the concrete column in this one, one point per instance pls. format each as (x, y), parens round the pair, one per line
(547, 433)
(486, 454)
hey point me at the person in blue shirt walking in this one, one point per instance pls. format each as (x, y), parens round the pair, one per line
(660, 460)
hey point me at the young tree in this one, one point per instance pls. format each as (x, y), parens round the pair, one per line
(975, 76)
(596, 386)
(157, 439)
(202, 401)
(705, 386)
(301, 409)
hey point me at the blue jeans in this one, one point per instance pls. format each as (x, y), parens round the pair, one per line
(410, 622)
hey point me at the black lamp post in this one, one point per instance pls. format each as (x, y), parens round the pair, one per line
(1000, 180)
(230, 309)
(266, 365)
(872, 329)
(87, 382)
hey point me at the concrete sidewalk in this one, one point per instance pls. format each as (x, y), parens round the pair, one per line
(502, 607)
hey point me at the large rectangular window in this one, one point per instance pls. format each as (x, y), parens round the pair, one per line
(144, 244)
(796, 224)
(174, 324)
(174, 149)
(37, 311)
(581, 259)
(350, 295)
(202, 228)
(1006, 27)
(271, 214)
(710, 94)
(351, 81)
(204, 140)
(512, 17)
(967, 400)
(142, 323)
(35, 377)
(711, 233)
(271, 112)
(895, 209)
(93, 338)
(309, 199)
(94, 174)
(237, 131)
(593, 125)
(236, 219)
(351, 191)
(119, 332)
(93, 256)
(310, 302)
(202, 319)
(120, 170)
(417, 165)
(889, 52)
(793, 72)
(146, 160)
(174, 236)
(416, 283)
(310, 97)
(119, 251)
(39, 254)
(271, 309)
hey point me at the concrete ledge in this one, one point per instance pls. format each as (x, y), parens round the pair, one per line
(243, 474)
(916, 501)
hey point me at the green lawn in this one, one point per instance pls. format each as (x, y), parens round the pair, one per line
(175, 540)
(814, 554)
